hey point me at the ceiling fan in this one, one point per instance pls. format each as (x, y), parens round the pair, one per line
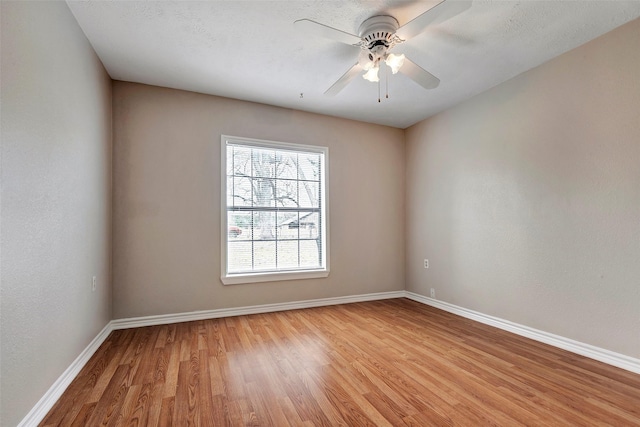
(378, 35)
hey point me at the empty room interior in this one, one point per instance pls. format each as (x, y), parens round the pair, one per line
(320, 213)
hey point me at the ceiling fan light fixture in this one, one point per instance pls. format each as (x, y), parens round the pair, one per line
(372, 75)
(378, 35)
(394, 62)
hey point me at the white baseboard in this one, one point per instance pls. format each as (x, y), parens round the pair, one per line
(44, 405)
(609, 357)
(163, 319)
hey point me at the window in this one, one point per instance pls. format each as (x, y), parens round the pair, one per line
(274, 224)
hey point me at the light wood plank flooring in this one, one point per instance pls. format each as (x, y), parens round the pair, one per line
(381, 363)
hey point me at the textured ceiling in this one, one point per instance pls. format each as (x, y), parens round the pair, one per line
(250, 50)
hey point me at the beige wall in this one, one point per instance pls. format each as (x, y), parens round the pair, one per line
(56, 199)
(526, 199)
(167, 201)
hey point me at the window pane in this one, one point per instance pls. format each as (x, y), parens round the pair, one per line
(264, 255)
(264, 192)
(241, 161)
(309, 166)
(264, 162)
(309, 195)
(287, 225)
(264, 225)
(241, 191)
(309, 253)
(287, 193)
(239, 257)
(230, 191)
(307, 225)
(287, 165)
(239, 225)
(230, 161)
(288, 254)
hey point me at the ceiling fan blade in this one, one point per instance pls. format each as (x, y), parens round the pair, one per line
(419, 74)
(317, 29)
(434, 16)
(344, 80)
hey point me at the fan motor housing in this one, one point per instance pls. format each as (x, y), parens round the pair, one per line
(378, 33)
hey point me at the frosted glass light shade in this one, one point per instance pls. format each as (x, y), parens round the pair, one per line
(372, 75)
(394, 62)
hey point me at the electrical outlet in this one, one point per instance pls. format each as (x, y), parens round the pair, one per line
(93, 284)
(433, 293)
(426, 263)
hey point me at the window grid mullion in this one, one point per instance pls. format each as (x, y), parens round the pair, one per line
(275, 201)
(320, 247)
(253, 248)
(298, 198)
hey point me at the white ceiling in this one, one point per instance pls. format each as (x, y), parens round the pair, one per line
(250, 50)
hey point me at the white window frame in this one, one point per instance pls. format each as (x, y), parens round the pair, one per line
(238, 278)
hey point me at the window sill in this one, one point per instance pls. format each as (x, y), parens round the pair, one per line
(236, 279)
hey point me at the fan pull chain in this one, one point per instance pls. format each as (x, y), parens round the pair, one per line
(386, 78)
(386, 82)
(378, 90)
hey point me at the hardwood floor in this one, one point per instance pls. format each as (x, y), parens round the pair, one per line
(383, 363)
